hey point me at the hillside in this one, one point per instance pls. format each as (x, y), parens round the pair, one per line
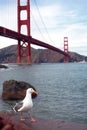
(9, 55)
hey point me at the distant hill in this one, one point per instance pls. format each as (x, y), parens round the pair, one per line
(9, 55)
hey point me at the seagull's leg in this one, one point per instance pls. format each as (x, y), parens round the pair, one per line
(22, 119)
(32, 119)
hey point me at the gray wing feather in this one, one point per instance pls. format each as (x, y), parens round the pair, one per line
(18, 106)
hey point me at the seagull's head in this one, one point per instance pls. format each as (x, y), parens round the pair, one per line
(31, 91)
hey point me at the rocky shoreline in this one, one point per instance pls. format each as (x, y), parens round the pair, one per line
(12, 122)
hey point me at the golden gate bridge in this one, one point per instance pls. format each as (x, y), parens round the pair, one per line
(25, 41)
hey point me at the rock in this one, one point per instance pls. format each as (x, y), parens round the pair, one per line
(1, 123)
(13, 122)
(15, 90)
(8, 122)
(3, 66)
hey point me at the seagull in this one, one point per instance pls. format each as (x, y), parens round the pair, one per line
(26, 104)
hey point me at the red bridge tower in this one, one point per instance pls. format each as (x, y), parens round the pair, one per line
(66, 59)
(24, 47)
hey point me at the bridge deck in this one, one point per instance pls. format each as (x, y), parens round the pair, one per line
(15, 35)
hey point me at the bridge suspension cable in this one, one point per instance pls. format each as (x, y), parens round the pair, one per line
(37, 26)
(42, 21)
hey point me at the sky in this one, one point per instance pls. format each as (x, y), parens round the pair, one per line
(51, 21)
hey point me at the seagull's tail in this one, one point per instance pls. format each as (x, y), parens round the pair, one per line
(14, 108)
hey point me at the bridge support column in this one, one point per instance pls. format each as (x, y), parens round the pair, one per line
(24, 55)
(66, 59)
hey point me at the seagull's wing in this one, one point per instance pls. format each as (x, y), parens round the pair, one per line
(18, 106)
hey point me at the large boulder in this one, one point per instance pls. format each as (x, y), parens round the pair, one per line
(15, 90)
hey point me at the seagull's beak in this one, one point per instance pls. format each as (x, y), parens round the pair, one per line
(35, 92)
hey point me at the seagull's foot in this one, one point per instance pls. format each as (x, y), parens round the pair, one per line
(33, 120)
(22, 119)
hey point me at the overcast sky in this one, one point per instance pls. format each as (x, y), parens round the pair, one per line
(51, 21)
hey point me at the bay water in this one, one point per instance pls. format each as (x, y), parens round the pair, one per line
(62, 89)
